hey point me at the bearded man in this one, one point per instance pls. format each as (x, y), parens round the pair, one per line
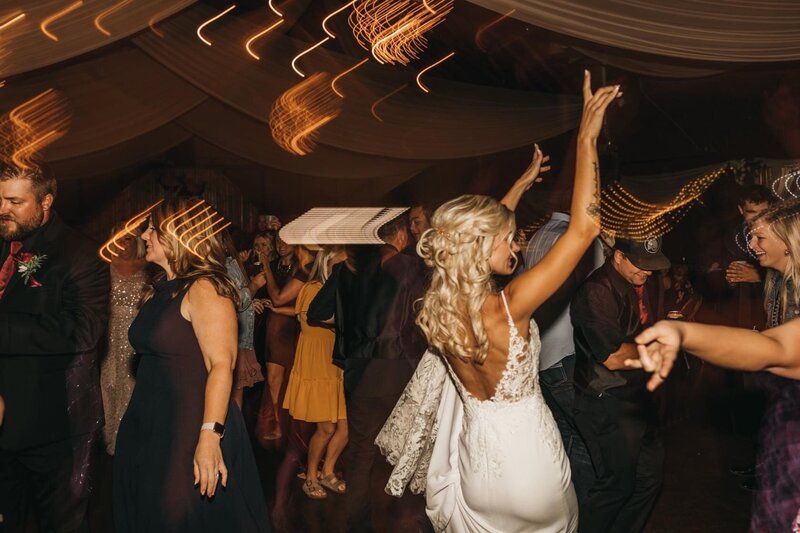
(53, 314)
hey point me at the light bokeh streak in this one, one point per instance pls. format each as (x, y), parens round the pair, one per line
(55, 16)
(201, 225)
(274, 10)
(202, 26)
(394, 30)
(299, 113)
(483, 29)
(14, 18)
(105, 14)
(343, 74)
(376, 103)
(106, 251)
(428, 68)
(304, 52)
(256, 36)
(31, 126)
(333, 14)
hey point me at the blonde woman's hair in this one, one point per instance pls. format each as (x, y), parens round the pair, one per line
(322, 263)
(783, 220)
(206, 260)
(458, 247)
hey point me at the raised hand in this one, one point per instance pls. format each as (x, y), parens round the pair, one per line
(594, 106)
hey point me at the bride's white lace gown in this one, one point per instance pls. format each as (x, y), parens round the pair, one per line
(496, 465)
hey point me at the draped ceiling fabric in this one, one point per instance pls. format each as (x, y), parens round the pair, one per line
(454, 120)
(708, 30)
(649, 65)
(29, 49)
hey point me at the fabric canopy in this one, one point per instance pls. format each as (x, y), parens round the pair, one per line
(711, 30)
(28, 48)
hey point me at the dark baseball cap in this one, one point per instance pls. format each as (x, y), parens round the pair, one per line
(645, 254)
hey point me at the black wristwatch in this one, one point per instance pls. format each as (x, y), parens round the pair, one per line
(216, 427)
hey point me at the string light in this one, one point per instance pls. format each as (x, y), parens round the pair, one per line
(629, 217)
(304, 52)
(106, 13)
(330, 16)
(197, 227)
(248, 45)
(55, 16)
(202, 26)
(31, 126)
(429, 67)
(106, 251)
(394, 30)
(382, 99)
(299, 113)
(17, 16)
(484, 29)
(345, 73)
(274, 10)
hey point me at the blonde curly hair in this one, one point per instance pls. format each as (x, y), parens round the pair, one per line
(458, 247)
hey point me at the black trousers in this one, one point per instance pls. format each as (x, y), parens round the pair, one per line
(628, 455)
(44, 485)
(369, 507)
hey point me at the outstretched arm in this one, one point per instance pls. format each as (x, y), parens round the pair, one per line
(776, 350)
(529, 290)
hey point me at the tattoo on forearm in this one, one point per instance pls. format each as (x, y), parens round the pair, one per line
(594, 206)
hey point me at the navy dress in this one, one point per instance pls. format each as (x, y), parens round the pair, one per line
(154, 487)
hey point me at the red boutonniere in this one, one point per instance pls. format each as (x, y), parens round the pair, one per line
(27, 265)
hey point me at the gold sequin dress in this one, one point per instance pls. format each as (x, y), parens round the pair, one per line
(116, 372)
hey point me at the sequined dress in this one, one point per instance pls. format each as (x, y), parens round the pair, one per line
(116, 372)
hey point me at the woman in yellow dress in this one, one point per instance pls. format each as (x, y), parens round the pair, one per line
(315, 392)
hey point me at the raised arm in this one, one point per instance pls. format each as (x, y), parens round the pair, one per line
(529, 290)
(528, 178)
(776, 350)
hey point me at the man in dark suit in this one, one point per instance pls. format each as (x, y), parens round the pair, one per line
(614, 412)
(53, 314)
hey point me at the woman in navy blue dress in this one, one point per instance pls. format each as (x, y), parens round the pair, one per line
(184, 461)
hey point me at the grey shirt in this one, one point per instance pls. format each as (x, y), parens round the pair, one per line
(552, 317)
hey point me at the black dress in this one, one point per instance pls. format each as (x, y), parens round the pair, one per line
(154, 487)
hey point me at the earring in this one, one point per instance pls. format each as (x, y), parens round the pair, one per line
(786, 252)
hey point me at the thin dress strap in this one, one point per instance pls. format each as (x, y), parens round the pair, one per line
(508, 311)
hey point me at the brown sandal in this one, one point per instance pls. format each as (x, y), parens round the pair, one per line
(314, 490)
(331, 482)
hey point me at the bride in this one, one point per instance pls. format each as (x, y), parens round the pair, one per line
(472, 430)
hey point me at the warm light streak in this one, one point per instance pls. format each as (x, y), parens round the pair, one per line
(209, 21)
(394, 30)
(2, 84)
(204, 225)
(31, 126)
(484, 29)
(17, 16)
(55, 16)
(134, 222)
(325, 20)
(272, 7)
(382, 99)
(429, 67)
(299, 113)
(157, 18)
(345, 73)
(104, 14)
(256, 36)
(304, 52)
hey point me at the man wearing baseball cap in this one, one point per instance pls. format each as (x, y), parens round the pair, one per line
(613, 410)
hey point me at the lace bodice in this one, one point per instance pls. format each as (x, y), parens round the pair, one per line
(518, 380)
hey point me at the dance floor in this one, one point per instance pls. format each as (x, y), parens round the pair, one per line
(699, 495)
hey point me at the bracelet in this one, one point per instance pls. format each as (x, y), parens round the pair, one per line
(216, 427)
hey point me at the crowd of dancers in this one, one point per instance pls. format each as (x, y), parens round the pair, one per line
(422, 350)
